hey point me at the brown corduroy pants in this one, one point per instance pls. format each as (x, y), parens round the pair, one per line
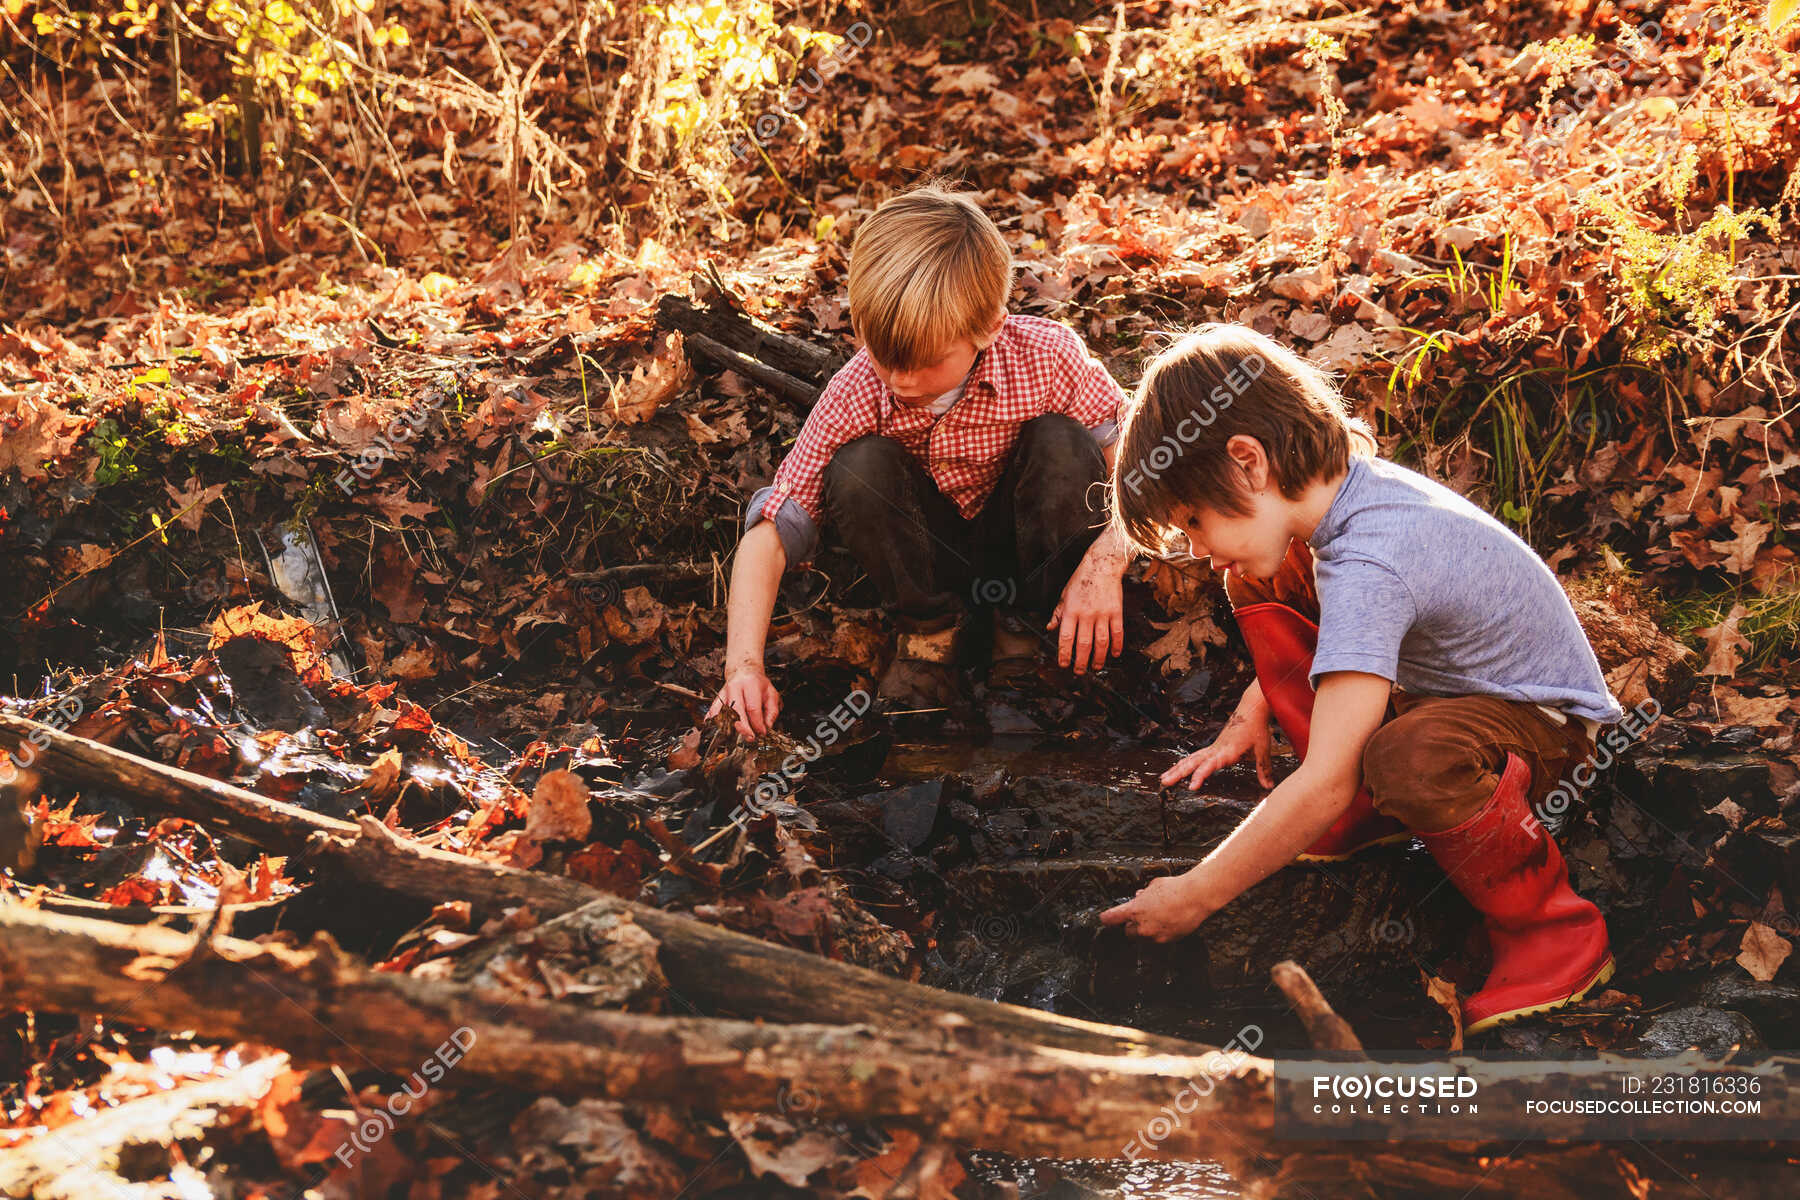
(1435, 761)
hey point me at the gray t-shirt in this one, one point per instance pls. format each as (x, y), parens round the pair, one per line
(1418, 585)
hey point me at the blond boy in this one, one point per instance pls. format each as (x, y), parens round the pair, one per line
(960, 456)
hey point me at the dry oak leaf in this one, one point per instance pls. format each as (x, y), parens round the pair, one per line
(1175, 648)
(295, 635)
(1443, 993)
(1724, 644)
(687, 753)
(1763, 951)
(396, 585)
(875, 1177)
(423, 661)
(1309, 286)
(595, 1137)
(191, 501)
(35, 432)
(775, 1146)
(383, 781)
(1740, 551)
(1761, 712)
(559, 809)
(967, 80)
(652, 384)
(637, 619)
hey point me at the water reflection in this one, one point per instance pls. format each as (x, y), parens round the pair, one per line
(1101, 1179)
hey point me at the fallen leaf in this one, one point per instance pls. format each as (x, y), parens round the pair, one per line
(1760, 712)
(1763, 951)
(1731, 810)
(687, 753)
(295, 635)
(559, 809)
(1184, 635)
(36, 432)
(619, 871)
(396, 584)
(191, 501)
(1724, 644)
(967, 80)
(775, 1146)
(642, 616)
(1443, 993)
(1740, 551)
(652, 384)
(382, 783)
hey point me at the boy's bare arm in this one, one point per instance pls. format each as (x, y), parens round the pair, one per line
(755, 578)
(1090, 617)
(1349, 707)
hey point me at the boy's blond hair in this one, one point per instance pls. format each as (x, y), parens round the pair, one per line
(1215, 381)
(927, 267)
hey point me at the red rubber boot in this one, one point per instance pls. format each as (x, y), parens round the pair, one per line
(1550, 946)
(1282, 644)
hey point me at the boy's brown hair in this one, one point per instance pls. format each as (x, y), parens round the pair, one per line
(927, 267)
(1216, 381)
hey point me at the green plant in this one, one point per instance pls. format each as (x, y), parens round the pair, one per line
(1463, 279)
(1525, 423)
(1563, 56)
(289, 53)
(1321, 51)
(284, 56)
(116, 453)
(1676, 281)
(715, 54)
(1427, 345)
(1770, 621)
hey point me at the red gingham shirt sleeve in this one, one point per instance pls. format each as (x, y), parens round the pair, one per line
(1082, 387)
(845, 411)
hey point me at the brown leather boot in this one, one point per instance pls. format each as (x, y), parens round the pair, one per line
(923, 673)
(1018, 651)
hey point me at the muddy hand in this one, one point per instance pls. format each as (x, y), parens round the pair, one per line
(1165, 909)
(1247, 732)
(1089, 620)
(753, 699)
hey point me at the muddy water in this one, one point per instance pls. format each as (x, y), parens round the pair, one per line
(1111, 1179)
(1136, 768)
(1129, 776)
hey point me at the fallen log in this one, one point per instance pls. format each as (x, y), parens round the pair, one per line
(716, 970)
(955, 1082)
(105, 1153)
(251, 919)
(797, 392)
(720, 325)
(966, 1084)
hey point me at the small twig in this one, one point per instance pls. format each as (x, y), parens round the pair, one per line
(1327, 1030)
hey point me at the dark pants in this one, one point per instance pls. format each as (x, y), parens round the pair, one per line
(1436, 759)
(927, 560)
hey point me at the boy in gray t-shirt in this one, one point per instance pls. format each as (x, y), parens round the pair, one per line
(1455, 687)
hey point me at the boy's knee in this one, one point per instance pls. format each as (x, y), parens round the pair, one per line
(1059, 466)
(1411, 771)
(870, 464)
(1060, 439)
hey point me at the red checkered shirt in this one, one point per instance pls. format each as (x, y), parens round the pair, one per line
(1035, 366)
